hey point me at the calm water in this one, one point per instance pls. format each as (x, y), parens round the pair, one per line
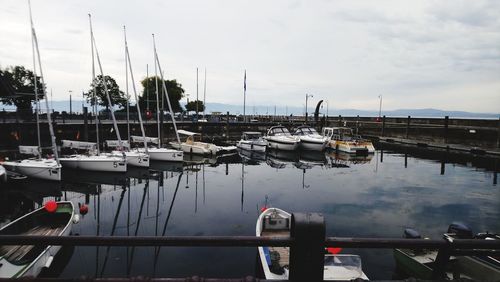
(375, 196)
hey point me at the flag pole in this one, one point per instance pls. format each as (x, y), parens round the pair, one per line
(244, 95)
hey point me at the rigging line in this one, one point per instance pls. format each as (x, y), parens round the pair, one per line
(115, 125)
(157, 95)
(127, 54)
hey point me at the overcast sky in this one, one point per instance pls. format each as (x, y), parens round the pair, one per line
(417, 54)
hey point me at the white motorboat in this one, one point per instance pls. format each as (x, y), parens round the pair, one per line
(18, 261)
(193, 146)
(274, 222)
(278, 137)
(252, 141)
(342, 139)
(310, 139)
(3, 174)
(92, 161)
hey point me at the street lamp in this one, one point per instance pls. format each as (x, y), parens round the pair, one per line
(380, 107)
(307, 97)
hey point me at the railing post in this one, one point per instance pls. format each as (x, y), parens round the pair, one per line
(383, 126)
(441, 261)
(408, 126)
(307, 254)
(446, 121)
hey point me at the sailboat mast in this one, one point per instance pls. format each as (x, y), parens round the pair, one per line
(94, 86)
(37, 103)
(115, 125)
(157, 95)
(197, 94)
(126, 86)
(166, 94)
(49, 119)
(127, 54)
(204, 93)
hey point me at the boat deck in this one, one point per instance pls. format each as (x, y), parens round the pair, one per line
(18, 253)
(284, 252)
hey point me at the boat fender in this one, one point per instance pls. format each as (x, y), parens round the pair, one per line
(84, 209)
(76, 218)
(49, 262)
(460, 230)
(410, 233)
(51, 206)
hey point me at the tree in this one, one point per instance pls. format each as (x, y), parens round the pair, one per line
(174, 89)
(22, 82)
(117, 97)
(191, 106)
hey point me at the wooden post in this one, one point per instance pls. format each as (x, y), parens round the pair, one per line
(445, 133)
(383, 126)
(227, 126)
(85, 124)
(498, 135)
(408, 126)
(307, 255)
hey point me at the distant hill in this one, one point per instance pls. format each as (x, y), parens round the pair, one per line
(269, 110)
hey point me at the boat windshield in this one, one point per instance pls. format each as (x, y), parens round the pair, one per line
(252, 136)
(279, 131)
(349, 266)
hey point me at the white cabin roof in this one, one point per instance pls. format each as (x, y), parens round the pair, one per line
(185, 132)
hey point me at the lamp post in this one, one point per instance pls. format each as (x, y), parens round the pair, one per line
(70, 103)
(380, 107)
(307, 97)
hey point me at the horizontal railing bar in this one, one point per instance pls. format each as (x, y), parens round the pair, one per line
(243, 241)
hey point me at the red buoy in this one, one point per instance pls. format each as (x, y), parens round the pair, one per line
(334, 251)
(149, 114)
(263, 209)
(84, 209)
(51, 206)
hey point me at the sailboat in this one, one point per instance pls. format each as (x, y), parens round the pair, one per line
(134, 157)
(94, 160)
(158, 153)
(39, 167)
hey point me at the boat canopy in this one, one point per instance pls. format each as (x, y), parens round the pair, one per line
(29, 150)
(278, 131)
(185, 132)
(251, 135)
(79, 145)
(116, 144)
(140, 139)
(305, 130)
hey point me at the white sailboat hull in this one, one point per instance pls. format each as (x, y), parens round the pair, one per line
(164, 154)
(95, 163)
(134, 158)
(43, 168)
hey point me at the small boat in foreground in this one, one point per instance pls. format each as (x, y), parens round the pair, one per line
(252, 141)
(274, 222)
(192, 145)
(420, 263)
(55, 219)
(278, 137)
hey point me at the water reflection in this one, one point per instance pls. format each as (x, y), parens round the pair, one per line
(375, 195)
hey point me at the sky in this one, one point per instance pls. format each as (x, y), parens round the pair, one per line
(416, 54)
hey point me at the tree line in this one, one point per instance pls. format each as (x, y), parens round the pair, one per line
(21, 81)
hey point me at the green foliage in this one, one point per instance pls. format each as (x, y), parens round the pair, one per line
(174, 89)
(191, 106)
(21, 80)
(118, 98)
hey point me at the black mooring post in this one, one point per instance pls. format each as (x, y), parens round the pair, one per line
(340, 121)
(442, 259)
(383, 126)
(307, 254)
(408, 126)
(446, 120)
(227, 126)
(85, 124)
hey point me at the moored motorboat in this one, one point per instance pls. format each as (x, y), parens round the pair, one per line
(310, 138)
(252, 141)
(274, 222)
(278, 137)
(342, 139)
(28, 260)
(192, 145)
(420, 263)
